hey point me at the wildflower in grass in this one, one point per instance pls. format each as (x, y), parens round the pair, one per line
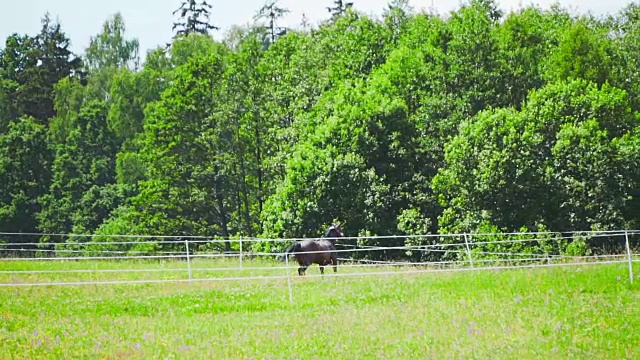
(518, 298)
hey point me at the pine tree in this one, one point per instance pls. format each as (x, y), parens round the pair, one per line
(194, 18)
(340, 7)
(272, 12)
(32, 66)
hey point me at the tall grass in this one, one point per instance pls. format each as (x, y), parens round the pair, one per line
(576, 312)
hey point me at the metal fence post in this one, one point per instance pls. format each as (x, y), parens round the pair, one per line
(466, 242)
(186, 245)
(289, 279)
(626, 237)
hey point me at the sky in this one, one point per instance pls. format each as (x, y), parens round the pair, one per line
(150, 21)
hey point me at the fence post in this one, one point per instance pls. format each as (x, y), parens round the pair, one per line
(286, 256)
(186, 245)
(626, 237)
(240, 252)
(466, 242)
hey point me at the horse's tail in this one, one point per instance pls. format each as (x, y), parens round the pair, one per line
(291, 250)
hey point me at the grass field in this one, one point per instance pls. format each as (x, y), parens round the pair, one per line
(585, 312)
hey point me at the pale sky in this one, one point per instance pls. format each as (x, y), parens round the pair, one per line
(150, 21)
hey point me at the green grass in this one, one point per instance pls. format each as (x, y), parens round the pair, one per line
(586, 312)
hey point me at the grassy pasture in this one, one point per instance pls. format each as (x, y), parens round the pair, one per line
(587, 312)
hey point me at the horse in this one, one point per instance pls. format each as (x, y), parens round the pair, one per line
(323, 251)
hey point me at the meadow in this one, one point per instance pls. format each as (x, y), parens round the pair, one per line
(585, 312)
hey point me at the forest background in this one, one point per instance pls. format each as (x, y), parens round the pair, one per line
(411, 123)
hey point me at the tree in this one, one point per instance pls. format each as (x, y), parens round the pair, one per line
(304, 23)
(582, 53)
(25, 161)
(56, 62)
(526, 40)
(84, 160)
(474, 69)
(110, 48)
(108, 53)
(187, 147)
(339, 7)
(561, 145)
(321, 186)
(271, 12)
(32, 66)
(625, 52)
(254, 131)
(396, 16)
(17, 60)
(588, 172)
(194, 18)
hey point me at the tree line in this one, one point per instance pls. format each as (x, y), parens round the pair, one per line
(410, 123)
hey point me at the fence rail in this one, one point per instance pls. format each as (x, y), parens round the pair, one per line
(105, 262)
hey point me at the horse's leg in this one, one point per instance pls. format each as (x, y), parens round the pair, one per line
(321, 269)
(334, 262)
(304, 263)
(302, 269)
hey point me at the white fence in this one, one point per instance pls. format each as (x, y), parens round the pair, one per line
(158, 259)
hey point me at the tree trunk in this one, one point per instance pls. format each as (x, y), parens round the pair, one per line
(259, 169)
(224, 218)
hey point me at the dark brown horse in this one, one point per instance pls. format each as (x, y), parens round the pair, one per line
(323, 251)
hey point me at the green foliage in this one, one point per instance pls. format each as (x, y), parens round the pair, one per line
(110, 48)
(528, 246)
(85, 160)
(185, 146)
(578, 247)
(526, 39)
(130, 93)
(31, 67)
(582, 53)
(321, 187)
(411, 124)
(562, 144)
(24, 162)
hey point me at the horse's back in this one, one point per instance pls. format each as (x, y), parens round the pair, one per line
(316, 245)
(308, 245)
(327, 244)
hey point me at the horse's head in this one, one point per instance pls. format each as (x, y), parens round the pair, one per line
(333, 232)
